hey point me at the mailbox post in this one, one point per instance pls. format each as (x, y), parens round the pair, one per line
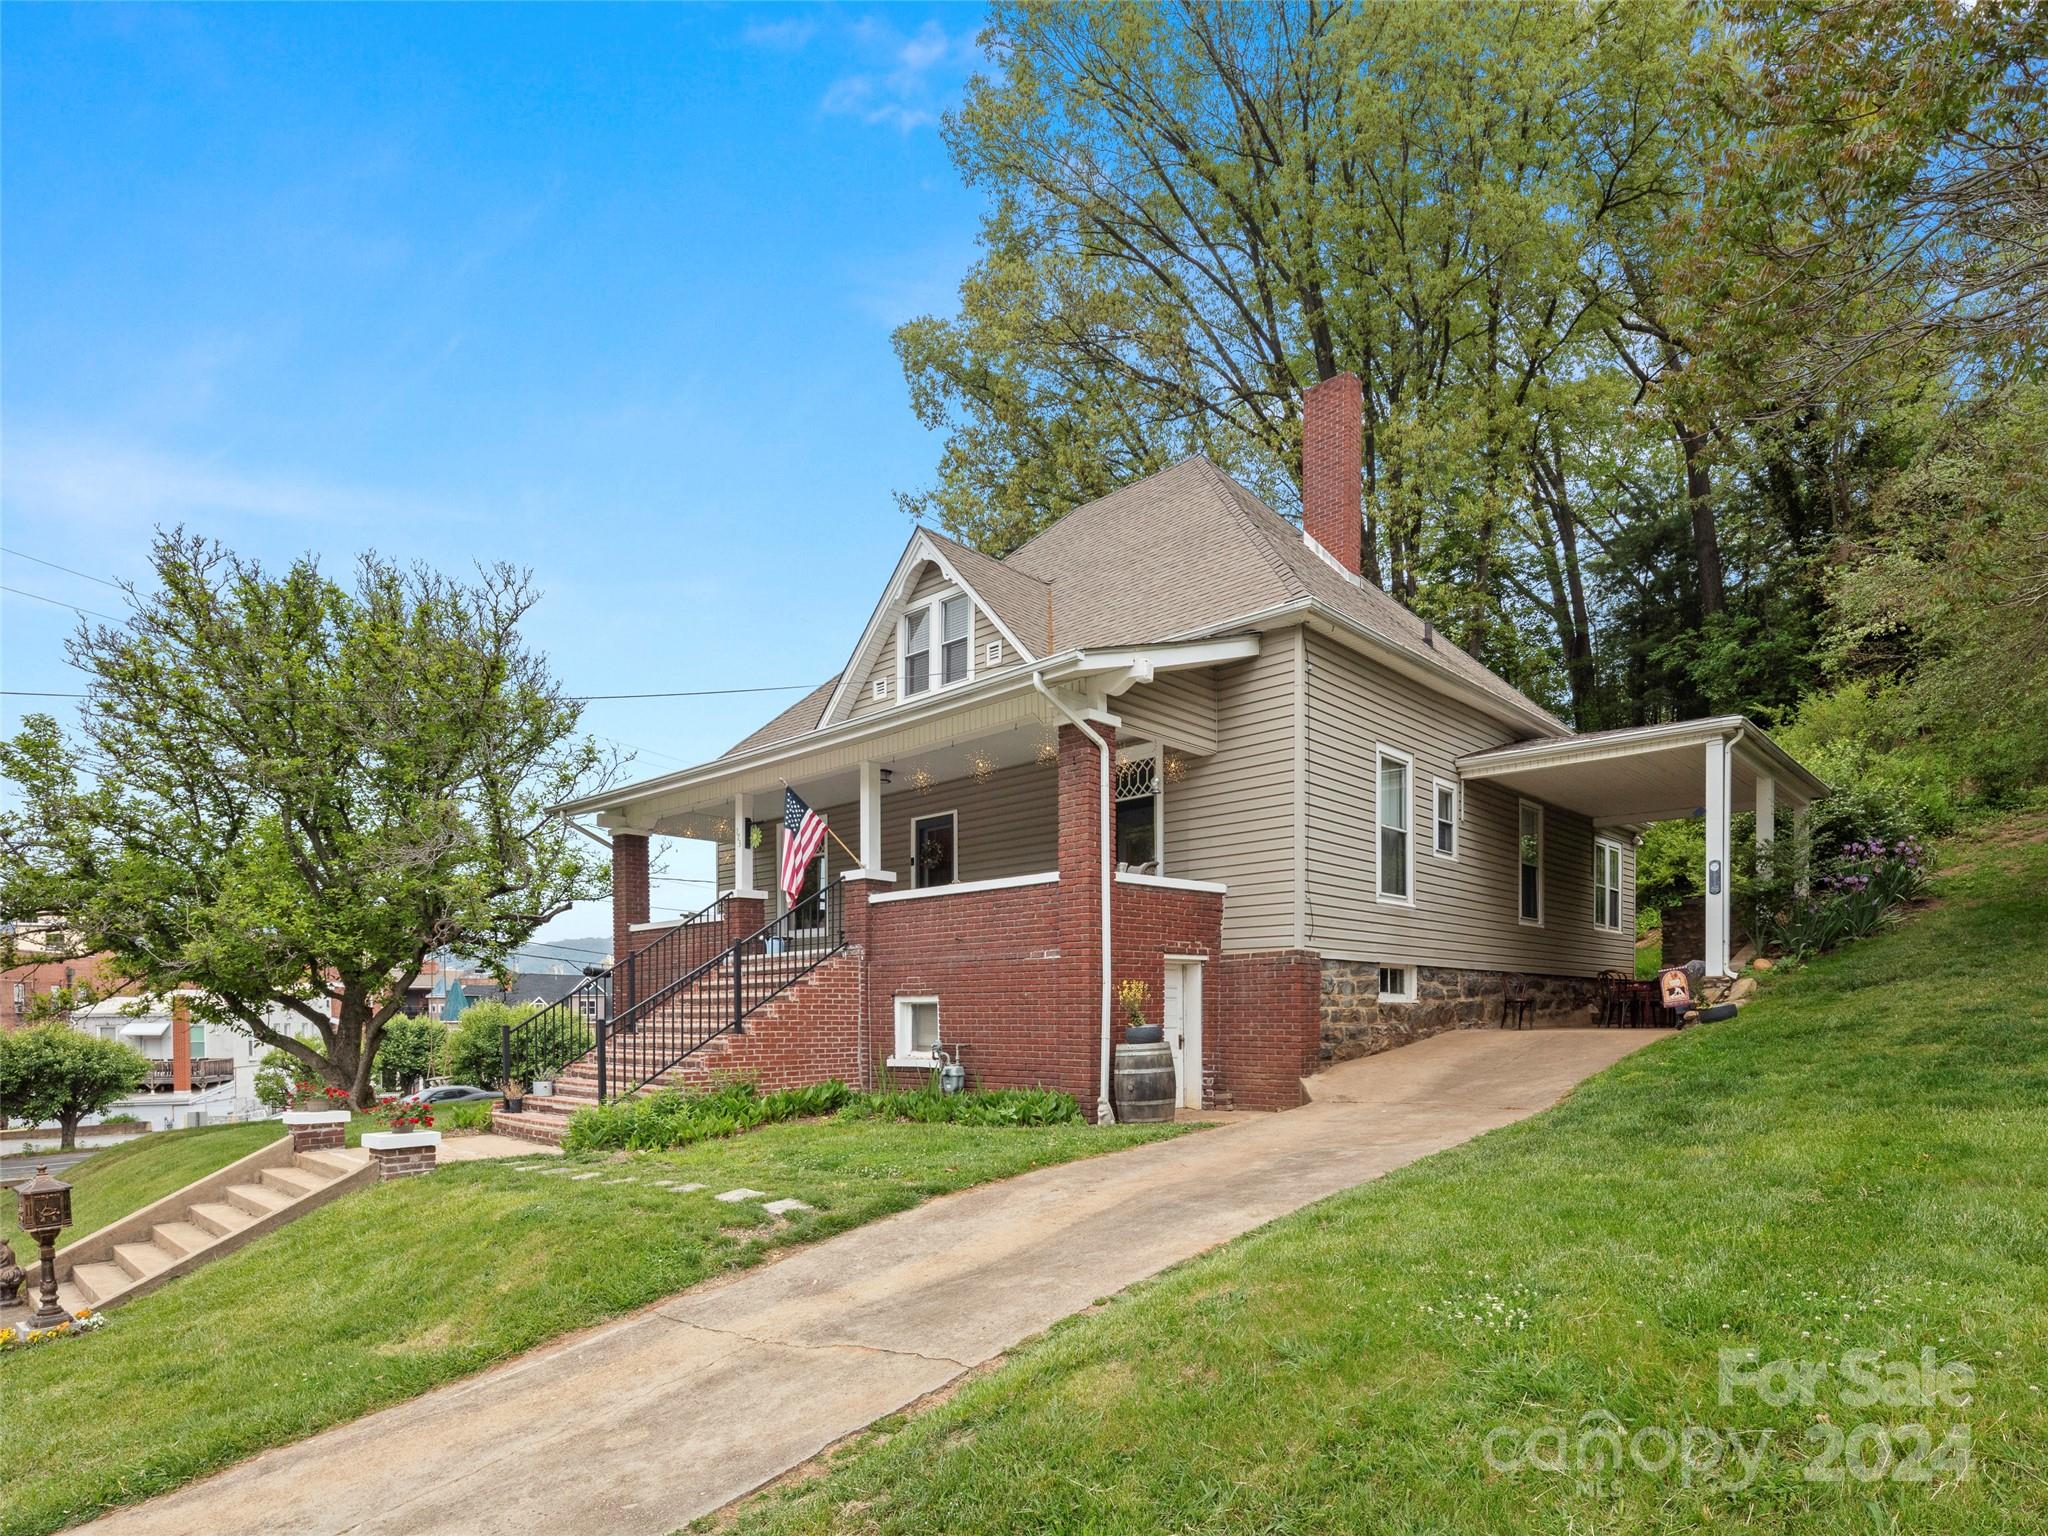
(44, 1210)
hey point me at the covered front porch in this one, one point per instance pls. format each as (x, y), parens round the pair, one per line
(1705, 769)
(995, 865)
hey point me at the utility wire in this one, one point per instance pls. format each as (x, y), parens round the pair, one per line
(54, 602)
(53, 565)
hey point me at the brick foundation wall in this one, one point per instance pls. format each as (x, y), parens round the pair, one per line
(1267, 1039)
(1354, 1022)
(806, 1035)
(318, 1138)
(994, 961)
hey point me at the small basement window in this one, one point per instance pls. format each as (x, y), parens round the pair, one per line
(1397, 984)
(917, 1031)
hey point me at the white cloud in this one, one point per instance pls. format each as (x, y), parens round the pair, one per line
(907, 79)
(82, 479)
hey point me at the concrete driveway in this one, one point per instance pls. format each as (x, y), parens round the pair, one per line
(644, 1424)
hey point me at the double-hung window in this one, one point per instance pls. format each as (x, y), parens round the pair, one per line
(917, 1030)
(1446, 830)
(1529, 865)
(917, 651)
(1396, 837)
(937, 644)
(956, 616)
(1606, 884)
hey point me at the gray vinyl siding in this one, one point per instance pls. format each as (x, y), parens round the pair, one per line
(1465, 911)
(1007, 825)
(1178, 710)
(1230, 816)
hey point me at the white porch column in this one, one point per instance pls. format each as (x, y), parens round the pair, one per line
(1766, 820)
(742, 854)
(1714, 879)
(871, 817)
(1802, 845)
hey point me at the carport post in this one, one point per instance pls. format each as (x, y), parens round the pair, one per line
(1766, 821)
(1715, 882)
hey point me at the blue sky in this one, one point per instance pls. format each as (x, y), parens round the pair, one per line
(606, 291)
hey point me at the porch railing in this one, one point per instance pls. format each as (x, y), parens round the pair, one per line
(566, 1030)
(656, 1035)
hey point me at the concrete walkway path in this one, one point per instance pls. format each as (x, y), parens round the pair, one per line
(641, 1425)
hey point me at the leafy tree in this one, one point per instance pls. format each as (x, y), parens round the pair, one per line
(55, 1072)
(410, 1050)
(475, 1049)
(299, 789)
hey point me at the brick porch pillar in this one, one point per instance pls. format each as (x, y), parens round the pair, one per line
(1078, 1022)
(631, 903)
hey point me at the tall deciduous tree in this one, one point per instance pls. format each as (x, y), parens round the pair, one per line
(286, 792)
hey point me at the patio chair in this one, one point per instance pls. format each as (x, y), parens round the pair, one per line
(1517, 1008)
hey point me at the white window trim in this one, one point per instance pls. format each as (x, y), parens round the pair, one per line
(903, 1055)
(935, 645)
(1436, 790)
(924, 816)
(1601, 848)
(1407, 992)
(1407, 760)
(1542, 859)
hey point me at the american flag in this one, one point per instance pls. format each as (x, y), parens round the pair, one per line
(803, 834)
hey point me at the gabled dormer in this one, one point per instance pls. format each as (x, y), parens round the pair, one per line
(935, 630)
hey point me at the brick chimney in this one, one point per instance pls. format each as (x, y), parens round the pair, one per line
(181, 1042)
(1332, 431)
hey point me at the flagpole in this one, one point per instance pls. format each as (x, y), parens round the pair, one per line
(830, 833)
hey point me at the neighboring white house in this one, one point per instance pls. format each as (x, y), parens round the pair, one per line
(223, 1062)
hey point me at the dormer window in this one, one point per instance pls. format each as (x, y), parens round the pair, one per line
(955, 616)
(943, 623)
(917, 651)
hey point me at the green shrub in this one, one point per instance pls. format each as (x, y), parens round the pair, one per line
(672, 1119)
(472, 1053)
(463, 1117)
(409, 1050)
(984, 1106)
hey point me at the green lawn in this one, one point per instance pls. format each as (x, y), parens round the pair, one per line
(1860, 1160)
(110, 1184)
(401, 1287)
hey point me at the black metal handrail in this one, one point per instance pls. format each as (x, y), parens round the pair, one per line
(657, 1034)
(567, 1030)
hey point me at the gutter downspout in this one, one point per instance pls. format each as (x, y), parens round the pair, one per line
(1104, 1114)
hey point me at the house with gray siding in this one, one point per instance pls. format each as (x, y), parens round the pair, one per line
(1177, 738)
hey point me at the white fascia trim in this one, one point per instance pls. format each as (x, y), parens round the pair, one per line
(1168, 883)
(1600, 746)
(966, 887)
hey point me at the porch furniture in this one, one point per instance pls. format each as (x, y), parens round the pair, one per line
(1639, 1003)
(1517, 1008)
(1614, 1001)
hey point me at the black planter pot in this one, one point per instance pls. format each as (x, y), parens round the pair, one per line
(1144, 1034)
(514, 1103)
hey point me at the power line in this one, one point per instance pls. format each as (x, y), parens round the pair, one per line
(693, 693)
(67, 570)
(54, 602)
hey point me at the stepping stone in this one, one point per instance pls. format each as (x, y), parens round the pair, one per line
(735, 1196)
(784, 1207)
(688, 1189)
(580, 1177)
(622, 1181)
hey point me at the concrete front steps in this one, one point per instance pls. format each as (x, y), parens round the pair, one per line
(208, 1218)
(545, 1119)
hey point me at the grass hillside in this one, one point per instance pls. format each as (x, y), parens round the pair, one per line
(1859, 1161)
(112, 1183)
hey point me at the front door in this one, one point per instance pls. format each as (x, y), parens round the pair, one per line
(1182, 996)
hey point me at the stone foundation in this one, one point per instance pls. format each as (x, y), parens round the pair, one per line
(1356, 1023)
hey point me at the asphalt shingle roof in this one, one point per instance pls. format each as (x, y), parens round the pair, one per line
(1185, 551)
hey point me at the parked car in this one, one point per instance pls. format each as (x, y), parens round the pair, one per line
(453, 1093)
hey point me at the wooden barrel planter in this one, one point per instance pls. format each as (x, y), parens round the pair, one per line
(1142, 1083)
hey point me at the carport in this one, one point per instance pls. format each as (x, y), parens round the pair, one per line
(1694, 768)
